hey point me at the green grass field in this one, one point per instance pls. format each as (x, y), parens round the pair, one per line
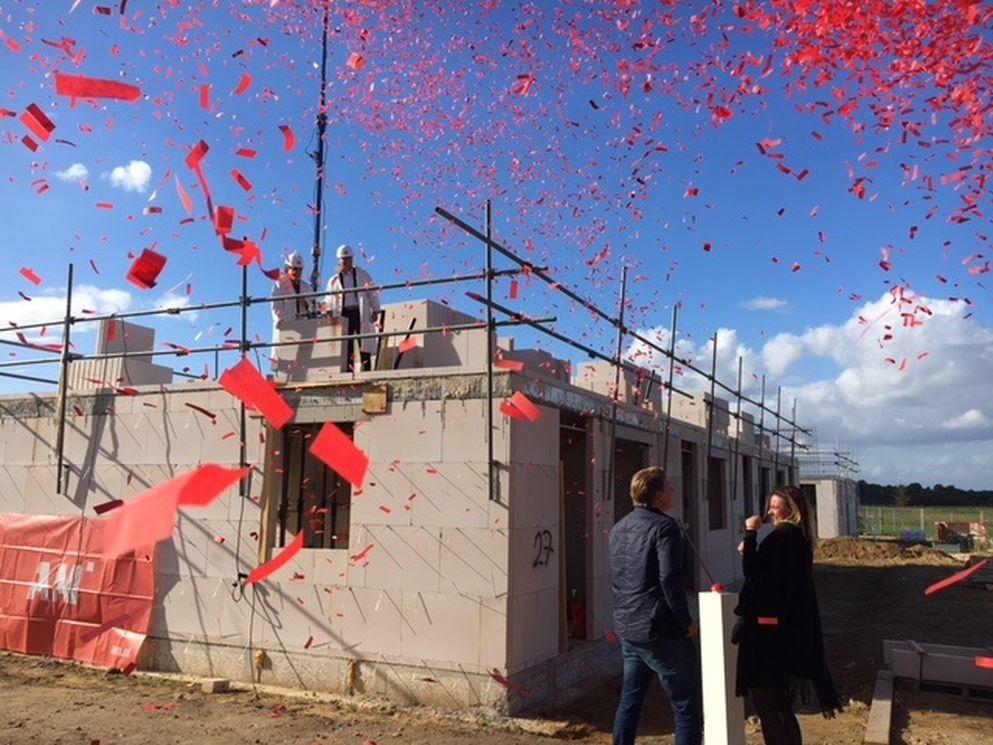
(892, 521)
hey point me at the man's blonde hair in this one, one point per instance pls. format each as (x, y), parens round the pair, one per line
(645, 484)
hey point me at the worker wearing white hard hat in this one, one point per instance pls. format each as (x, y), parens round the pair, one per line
(351, 299)
(288, 309)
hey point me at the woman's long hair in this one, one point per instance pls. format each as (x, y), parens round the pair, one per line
(799, 508)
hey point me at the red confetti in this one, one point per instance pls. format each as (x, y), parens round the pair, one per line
(146, 269)
(205, 96)
(289, 139)
(77, 86)
(30, 275)
(336, 449)
(244, 84)
(356, 61)
(955, 579)
(151, 516)
(245, 383)
(36, 120)
(243, 182)
(768, 621)
(523, 404)
(283, 558)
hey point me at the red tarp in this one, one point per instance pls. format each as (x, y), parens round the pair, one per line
(60, 597)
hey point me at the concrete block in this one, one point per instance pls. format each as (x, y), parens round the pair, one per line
(534, 500)
(406, 558)
(372, 622)
(877, 730)
(536, 442)
(441, 628)
(410, 432)
(463, 435)
(534, 628)
(215, 685)
(532, 567)
(493, 641)
(474, 561)
(448, 494)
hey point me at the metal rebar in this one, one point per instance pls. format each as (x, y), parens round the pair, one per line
(63, 396)
(793, 442)
(322, 125)
(609, 486)
(775, 450)
(490, 330)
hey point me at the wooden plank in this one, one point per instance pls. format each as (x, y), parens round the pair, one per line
(877, 731)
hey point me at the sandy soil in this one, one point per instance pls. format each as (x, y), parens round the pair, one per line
(45, 701)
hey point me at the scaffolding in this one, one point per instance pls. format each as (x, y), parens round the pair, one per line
(788, 436)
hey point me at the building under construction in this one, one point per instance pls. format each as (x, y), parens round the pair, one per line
(472, 565)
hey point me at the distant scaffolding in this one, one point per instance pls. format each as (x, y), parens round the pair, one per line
(819, 462)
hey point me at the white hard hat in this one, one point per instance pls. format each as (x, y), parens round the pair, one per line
(345, 251)
(294, 260)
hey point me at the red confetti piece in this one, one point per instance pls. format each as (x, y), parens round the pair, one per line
(363, 554)
(289, 139)
(515, 289)
(150, 517)
(36, 120)
(336, 449)
(245, 152)
(356, 61)
(512, 365)
(509, 685)
(508, 409)
(205, 96)
(105, 205)
(243, 182)
(985, 662)
(224, 220)
(108, 506)
(522, 86)
(244, 84)
(30, 144)
(146, 269)
(768, 621)
(30, 275)
(206, 412)
(246, 383)
(184, 197)
(955, 579)
(407, 345)
(283, 558)
(523, 404)
(78, 86)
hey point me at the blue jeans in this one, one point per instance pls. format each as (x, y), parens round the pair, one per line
(676, 662)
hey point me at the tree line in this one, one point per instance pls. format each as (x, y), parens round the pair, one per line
(915, 495)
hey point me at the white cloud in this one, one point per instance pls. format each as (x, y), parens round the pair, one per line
(966, 420)
(132, 177)
(50, 305)
(173, 299)
(77, 173)
(905, 384)
(765, 303)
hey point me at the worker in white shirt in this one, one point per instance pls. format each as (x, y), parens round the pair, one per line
(290, 283)
(351, 299)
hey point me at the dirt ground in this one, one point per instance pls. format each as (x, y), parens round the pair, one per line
(46, 701)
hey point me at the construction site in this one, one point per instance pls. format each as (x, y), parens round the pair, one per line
(391, 520)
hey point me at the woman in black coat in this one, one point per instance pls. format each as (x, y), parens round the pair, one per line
(779, 633)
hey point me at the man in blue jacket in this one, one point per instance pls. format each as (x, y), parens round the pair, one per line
(650, 612)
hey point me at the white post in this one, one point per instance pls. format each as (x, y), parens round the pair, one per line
(723, 712)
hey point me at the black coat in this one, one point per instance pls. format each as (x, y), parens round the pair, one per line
(646, 568)
(779, 585)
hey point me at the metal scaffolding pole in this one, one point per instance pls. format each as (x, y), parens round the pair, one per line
(608, 490)
(793, 438)
(60, 437)
(737, 442)
(672, 372)
(491, 471)
(775, 450)
(710, 424)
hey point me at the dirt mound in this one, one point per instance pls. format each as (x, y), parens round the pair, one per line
(867, 552)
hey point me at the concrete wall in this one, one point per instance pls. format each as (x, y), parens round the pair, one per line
(837, 506)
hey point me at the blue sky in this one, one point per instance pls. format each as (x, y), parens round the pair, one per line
(433, 119)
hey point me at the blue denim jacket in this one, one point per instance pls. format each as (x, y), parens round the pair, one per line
(646, 567)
